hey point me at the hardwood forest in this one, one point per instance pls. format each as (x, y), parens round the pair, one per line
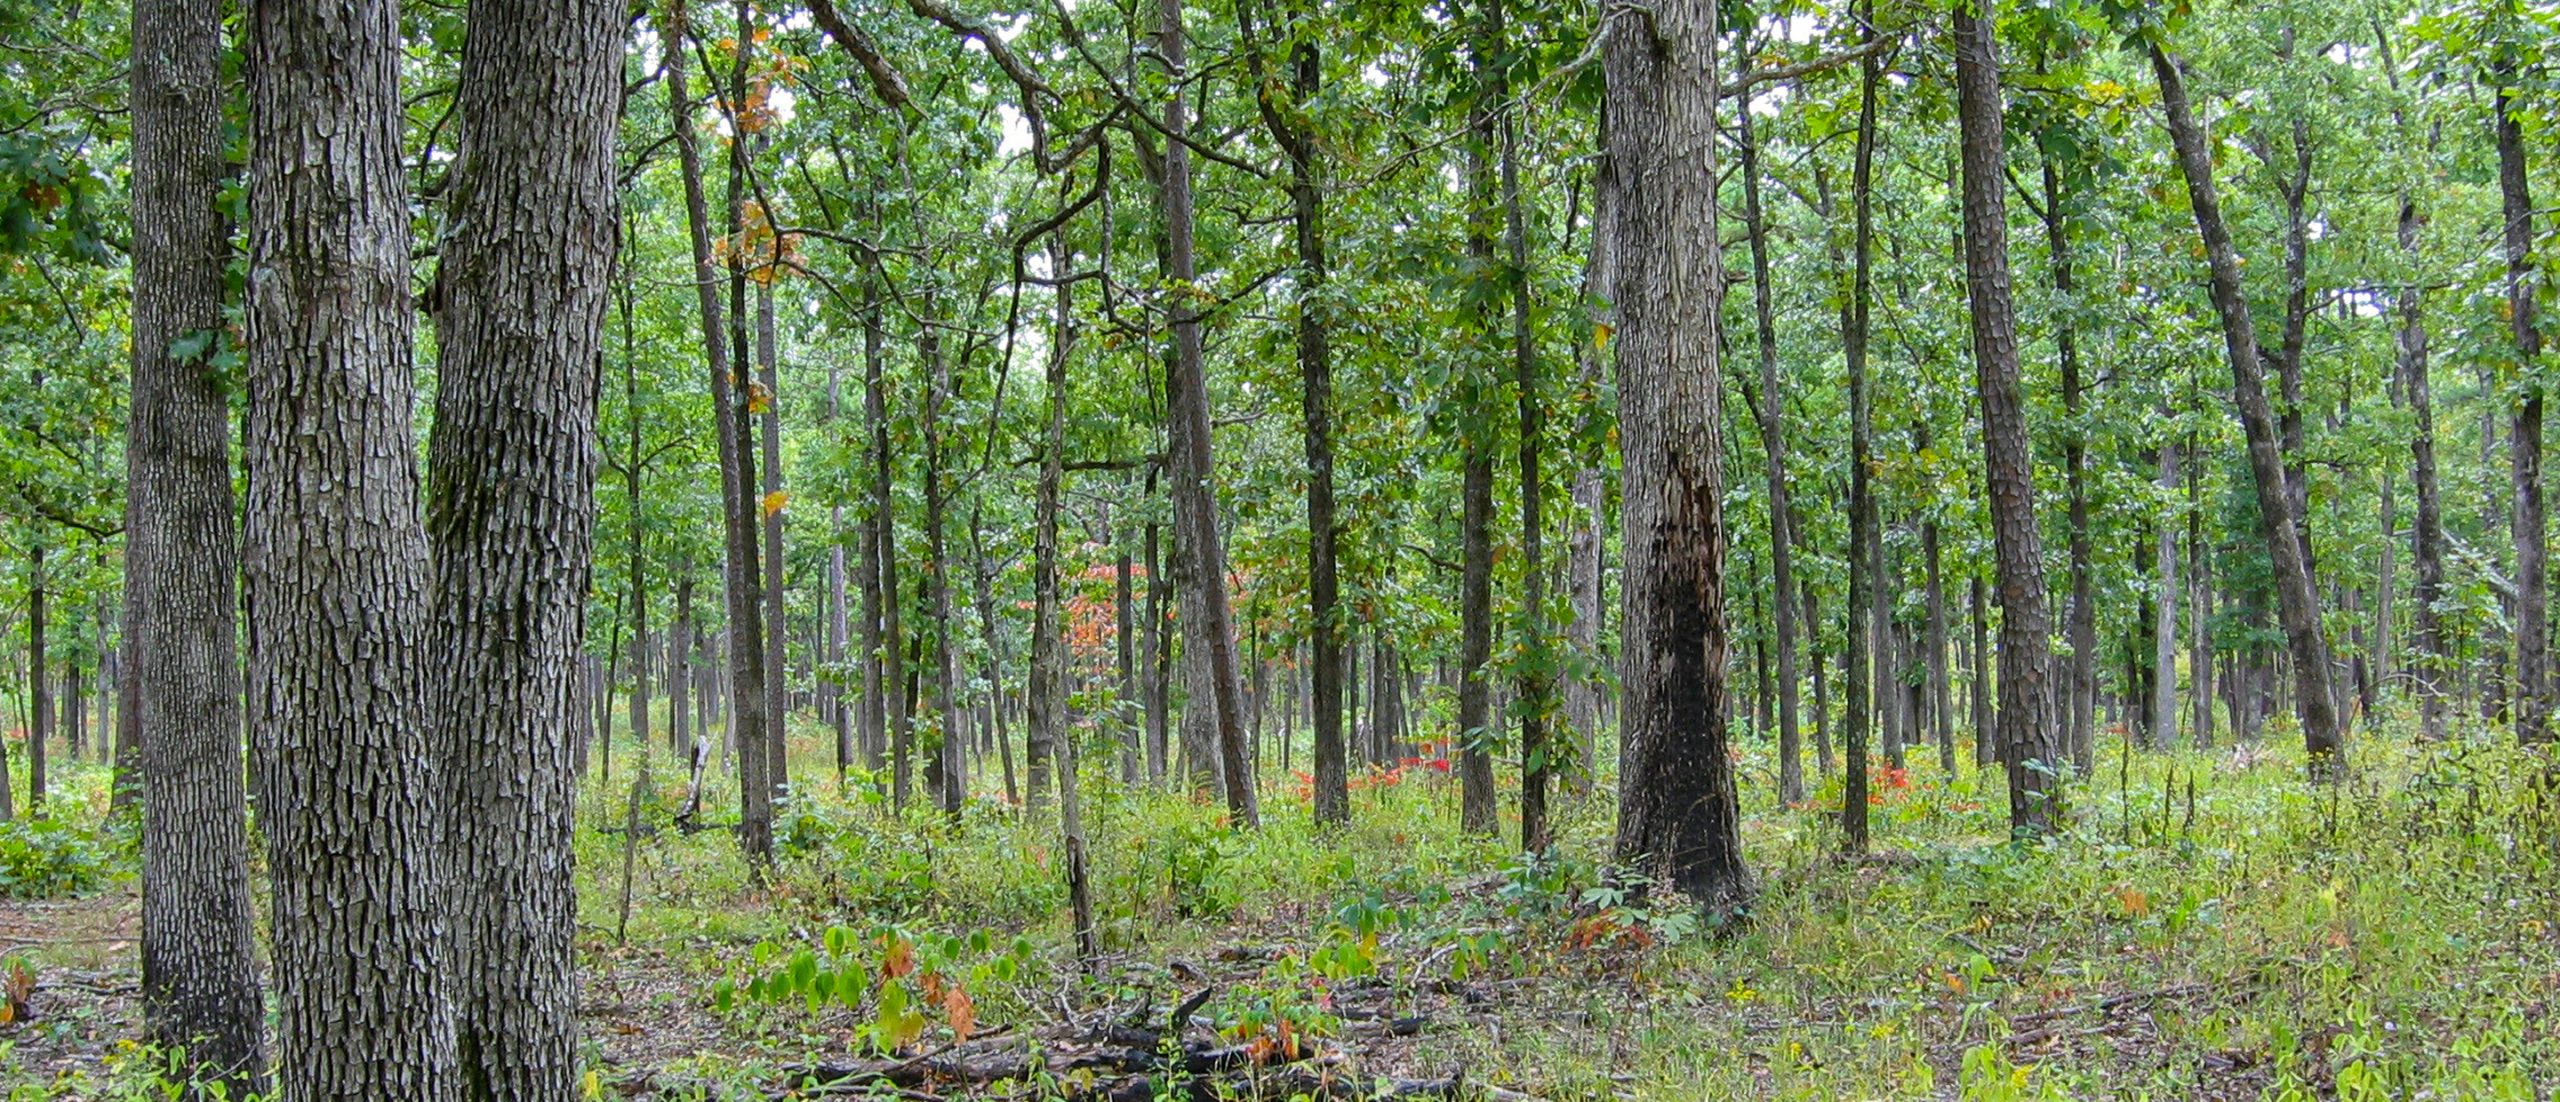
(1479, 550)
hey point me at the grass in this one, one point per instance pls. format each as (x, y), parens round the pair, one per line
(2214, 926)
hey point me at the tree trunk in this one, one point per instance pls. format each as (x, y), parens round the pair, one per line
(1858, 660)
(2081, 627)
(39, 675)
(748, 720)
(1315, 370)
(884, 634)
(777, 701)
(948, 773)
(2298, 606)
(511, 517)
(1193, 471)
(1773, 444)
(180, 671)
(338, 580)
(2033, 753)
(1941, 717)
(2524, 426)
(2164, 616)
(1536, 683)
(1047, 703)
(1123, 622)
(1677, 819)
(1159, 648)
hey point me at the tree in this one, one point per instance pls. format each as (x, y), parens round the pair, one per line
(1207, 621)
(748, 721)
(2026, 734)
(2533, 701)
(181, 649)
(336, 566)
(2297, 604)
(520, 297)
(1677, 820)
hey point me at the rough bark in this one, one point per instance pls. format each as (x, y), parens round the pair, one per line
(181, 661)
(1676, 820)
(2032, 752)
(1859, 682)
(1047, 703)
(336, 567)
(526, 263)
(2298, 605)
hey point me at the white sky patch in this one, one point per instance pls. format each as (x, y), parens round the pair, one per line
(1016, 131)
(1373, 76)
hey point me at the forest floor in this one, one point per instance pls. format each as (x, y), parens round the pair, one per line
(2214, 927)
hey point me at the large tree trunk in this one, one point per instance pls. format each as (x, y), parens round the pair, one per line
(338, 579)
(1193, 471)
(181, 662)
(2031, 750)
(1677, 820)
(2524, 426)
(511, 470)
(1773, 445)
(2298, 605)
(748, 720)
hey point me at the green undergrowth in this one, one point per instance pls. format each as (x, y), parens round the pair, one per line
(2214, 925)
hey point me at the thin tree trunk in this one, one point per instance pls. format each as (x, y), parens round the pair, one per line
(2081, 627)
(2298, 606)
(748, 721)
(1047, 703)
(1677, 818)
(1187, 411)
(1315, 369)
(2034, 754)
(1773, 444)
(180, 668)
(893, 722)
(39, 675)
(338, 581)
(1536, 683)
(2533, 701)
(2164, 619)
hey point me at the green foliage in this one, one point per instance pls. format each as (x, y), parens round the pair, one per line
(48, 858)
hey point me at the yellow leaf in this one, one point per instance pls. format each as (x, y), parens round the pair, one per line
(1600, 335)
(773, 502)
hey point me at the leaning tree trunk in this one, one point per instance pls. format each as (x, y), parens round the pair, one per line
(1191, 466)
(181, 667)
(2297, 604)
(338, 579)
(1677, 820)
(2524, 426)
(527, 260)
(748, 721)
(2032, 752)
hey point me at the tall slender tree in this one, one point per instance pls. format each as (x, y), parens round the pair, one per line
(2031, 751)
